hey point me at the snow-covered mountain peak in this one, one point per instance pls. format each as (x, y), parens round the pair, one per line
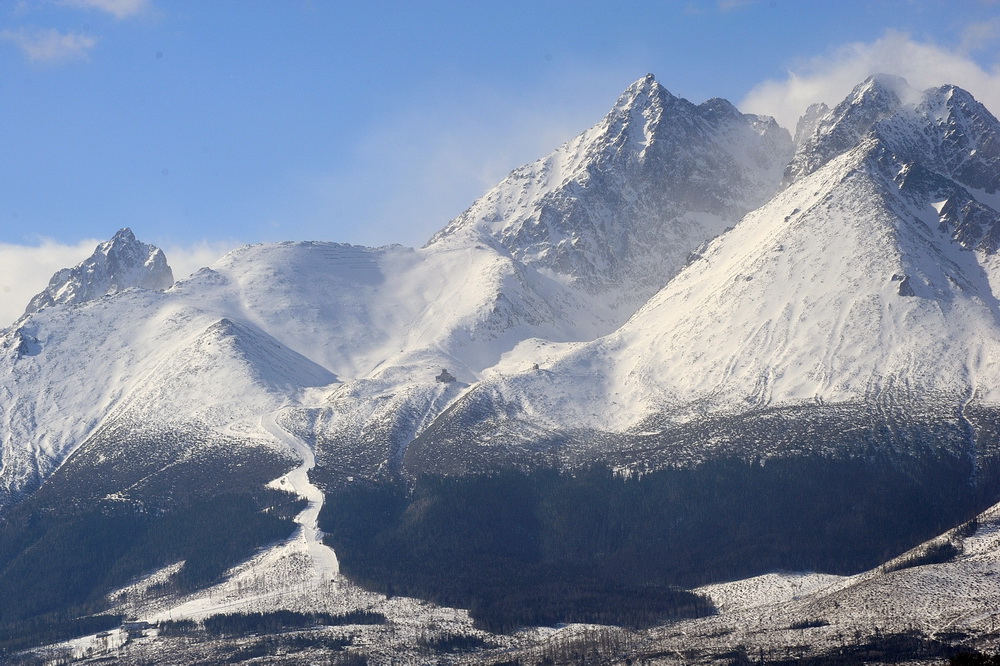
(615, 212)
(125, 235)
(807, 124)
(647, 115)
(821, 138)
(942, 132)
(880, 87)
(962, 138)
(645, 92)
(637, 112)
(877, 97)
(116, 265)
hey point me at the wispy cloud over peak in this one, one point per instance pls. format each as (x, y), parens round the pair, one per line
(828, 78)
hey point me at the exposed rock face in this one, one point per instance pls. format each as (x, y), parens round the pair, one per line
(905, 289)
(823, 134)
(616, 211)
(794, 308)
(116, 265)
(807, 124)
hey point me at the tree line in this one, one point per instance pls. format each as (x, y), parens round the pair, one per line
(545, 546)
(55, 567)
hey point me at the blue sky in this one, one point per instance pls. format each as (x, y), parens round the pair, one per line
(203, 125)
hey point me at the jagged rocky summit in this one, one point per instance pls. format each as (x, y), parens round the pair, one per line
(116, 265)
(616, 211)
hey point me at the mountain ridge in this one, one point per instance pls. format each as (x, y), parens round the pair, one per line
(485, 291)
(645, 163)
(853, 285)
(680, 291)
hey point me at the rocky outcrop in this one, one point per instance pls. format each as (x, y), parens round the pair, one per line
(116, 265)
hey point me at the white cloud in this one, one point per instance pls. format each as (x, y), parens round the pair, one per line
(118, 8)
(50, 45)
(187, 259)
(730, 5)
(828, 78)
(25, 270)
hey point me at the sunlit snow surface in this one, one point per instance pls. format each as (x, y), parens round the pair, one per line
(543, 255)
(868, 280)
(847, 287)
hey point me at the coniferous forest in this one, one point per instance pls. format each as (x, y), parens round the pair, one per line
(541, 547)
(56, 567)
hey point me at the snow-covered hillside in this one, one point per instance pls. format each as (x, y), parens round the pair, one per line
(860, 283)
(616, 211)
(564, 250)
(674, 282)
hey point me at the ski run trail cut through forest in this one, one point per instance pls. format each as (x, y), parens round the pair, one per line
(303, 564)
(324, 560)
